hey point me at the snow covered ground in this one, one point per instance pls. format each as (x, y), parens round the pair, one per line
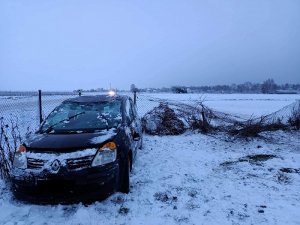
(192, 178)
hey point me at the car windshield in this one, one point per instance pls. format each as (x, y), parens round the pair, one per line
(83, 117)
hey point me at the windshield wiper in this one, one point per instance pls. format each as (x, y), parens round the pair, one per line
(59, 122)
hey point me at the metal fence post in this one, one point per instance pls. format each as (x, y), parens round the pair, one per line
(40, 106)
(134, 97)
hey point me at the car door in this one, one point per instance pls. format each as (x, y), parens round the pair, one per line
(131, 118)
(137, 121)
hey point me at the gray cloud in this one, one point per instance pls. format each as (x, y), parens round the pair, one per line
(57, 45)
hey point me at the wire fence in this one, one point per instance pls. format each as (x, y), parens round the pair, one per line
(22, 108)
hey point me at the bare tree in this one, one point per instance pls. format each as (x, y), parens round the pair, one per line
(269, 87)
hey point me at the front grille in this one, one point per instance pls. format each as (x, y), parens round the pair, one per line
(80, 163)
(35, 163)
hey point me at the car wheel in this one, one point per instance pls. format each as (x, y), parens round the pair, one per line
(125, 180)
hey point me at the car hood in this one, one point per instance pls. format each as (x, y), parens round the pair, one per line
(68, 142)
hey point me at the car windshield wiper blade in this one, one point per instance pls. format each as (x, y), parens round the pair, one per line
(59, 122)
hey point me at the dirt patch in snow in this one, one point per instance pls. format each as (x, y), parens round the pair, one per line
(257, 158)
(165, 197)
(290, 170)
(283, 178)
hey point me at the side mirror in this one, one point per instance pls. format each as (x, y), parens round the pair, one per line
(136, 136)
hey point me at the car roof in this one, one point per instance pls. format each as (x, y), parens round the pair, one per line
(95, 98)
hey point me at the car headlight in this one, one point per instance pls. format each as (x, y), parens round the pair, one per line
(106, 154)
(20, 160)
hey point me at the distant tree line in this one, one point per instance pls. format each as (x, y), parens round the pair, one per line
(267, 87)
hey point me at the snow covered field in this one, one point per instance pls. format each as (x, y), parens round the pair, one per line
(192, 178)
(244, 105)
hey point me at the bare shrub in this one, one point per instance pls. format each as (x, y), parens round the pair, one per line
(294, 119)
(10, 139)
(206, 116)
(197, 117)
(253, 127)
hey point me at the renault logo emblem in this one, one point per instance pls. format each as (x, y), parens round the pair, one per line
(55, 165)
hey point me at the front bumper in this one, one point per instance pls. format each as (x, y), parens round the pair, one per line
(82, 185)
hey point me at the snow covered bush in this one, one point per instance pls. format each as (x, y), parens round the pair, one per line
(173, 118)
(162, 120)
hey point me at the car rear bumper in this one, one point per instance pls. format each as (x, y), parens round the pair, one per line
(83, 185)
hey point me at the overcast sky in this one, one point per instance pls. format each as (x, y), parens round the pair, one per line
(71, 44)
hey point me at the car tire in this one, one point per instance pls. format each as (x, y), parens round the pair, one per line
(125, 180)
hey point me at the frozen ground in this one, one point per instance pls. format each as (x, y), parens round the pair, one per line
(190, 179)
(187, 179)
